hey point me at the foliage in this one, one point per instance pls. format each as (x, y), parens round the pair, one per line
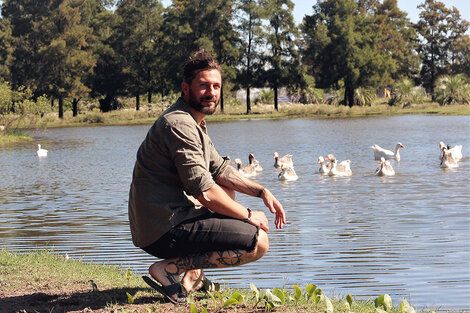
(453, 90)
(309, 94)
(18, 105)
(6, 49)
(405, 94)
(364, 97)
(443, 36)
(265, 97)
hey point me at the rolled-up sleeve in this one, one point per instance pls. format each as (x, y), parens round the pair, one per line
(186, 146)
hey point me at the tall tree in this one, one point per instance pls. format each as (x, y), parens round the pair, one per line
(139, 37)
(282, 59)
(250, 27)
(65, 58)
(342, 45)
(440, 28)
(6, 49)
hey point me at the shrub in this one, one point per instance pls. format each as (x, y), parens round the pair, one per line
(93, 117)
(265, 97)
(405, 93)
(452, 90)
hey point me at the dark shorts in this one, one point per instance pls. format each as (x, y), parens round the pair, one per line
(206, 233)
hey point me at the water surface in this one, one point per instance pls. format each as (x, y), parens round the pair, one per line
(407, 235)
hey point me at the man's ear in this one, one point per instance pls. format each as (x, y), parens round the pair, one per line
(185, 88)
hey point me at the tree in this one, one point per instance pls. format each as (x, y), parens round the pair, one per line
(250, 28)
(65, 57)
(440, 29)
(282, 59)
(139, 36)
(6, 49)
(342, 45)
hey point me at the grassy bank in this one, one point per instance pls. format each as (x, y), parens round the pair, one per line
(148, 113)
(43, 281)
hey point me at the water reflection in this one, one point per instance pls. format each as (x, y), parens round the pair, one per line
(406, 235)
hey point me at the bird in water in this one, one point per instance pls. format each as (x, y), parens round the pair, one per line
(286, 160)
(254, 162)
(41, 152)
(287, 173)
(380, 152)
(341, 169)
(247, 171)
(385, 168)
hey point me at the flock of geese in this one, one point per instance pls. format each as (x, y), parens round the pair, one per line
(449, 156)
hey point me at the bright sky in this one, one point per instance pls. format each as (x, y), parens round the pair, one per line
(304, 7)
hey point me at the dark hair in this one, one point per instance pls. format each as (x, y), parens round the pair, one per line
(200, 61)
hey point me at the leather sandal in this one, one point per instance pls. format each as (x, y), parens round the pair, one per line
(168, 291)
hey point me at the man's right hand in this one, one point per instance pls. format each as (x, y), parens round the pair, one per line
(258, 218)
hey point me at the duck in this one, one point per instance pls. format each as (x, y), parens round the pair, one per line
(287, 173)
(254, 162)
(380, 152)
(324, 166)
(448, 160)
(286, 160)
(456, 151)
(41, 152)
(341, 169)
(247, 171)
(385, 168)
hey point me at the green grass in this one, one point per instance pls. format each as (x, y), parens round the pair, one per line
(67, 285)
(6, 139)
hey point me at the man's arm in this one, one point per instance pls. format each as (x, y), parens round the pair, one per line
(233, 179)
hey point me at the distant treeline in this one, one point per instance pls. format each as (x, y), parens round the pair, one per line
(103, 49)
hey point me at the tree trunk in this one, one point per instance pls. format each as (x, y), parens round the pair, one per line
(248, 103)
(61, 107)
(149, 96)
(52, 103)
(105, 104)
(348, 95)
(137, 102)
(75, 107)
(276, 106)
(222, 99)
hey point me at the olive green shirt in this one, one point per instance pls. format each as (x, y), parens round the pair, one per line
(175, 164)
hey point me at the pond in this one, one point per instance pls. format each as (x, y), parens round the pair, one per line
(406, 235)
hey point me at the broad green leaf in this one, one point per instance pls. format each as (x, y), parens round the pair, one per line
(280, 294)
(317, 295)
(203, 310)
(298, 293)
(405, 307)
(230, 301)
(130, 299)
(212, 297)
(219, 295)
(193, 308)
(255, 291)
(387, 303)
(329, 306)
(238, 296)
(272, 298)
(349, 299)
(379, 301)
(310, 289)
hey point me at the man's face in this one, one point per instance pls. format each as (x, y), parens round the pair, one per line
(204, 92)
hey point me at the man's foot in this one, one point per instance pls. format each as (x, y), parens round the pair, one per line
(195, 280)
(167, 275)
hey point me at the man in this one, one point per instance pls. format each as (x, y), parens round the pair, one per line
(181, 200)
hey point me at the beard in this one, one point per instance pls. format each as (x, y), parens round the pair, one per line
(196, 103)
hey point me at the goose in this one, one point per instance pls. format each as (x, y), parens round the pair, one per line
(41, 152)
(341, 169)
(456, 151)
(254, 162)
(287, 173)
(385, 168)
(448, 160)
(325, 167)
(247, 171)
(286, 160)
(380, 152)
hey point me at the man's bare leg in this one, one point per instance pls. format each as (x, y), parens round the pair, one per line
(168, 271)
(192, 279)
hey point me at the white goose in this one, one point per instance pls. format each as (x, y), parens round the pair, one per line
(385, 168)
(41, 152)
(341, 169)
(254, 162)
(456, 151)
(286, 160)
(324, 166)
(380, 152)
(287, 173)
(247, 171)
(448, 160)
